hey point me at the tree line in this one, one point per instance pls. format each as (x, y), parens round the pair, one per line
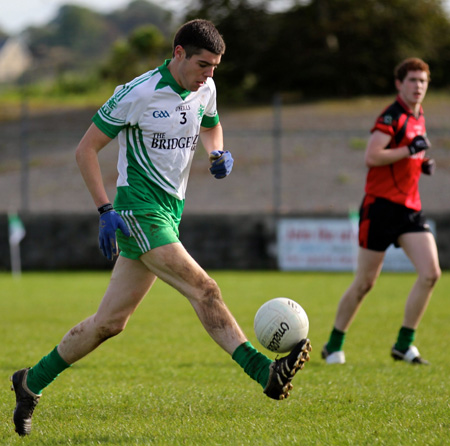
(328, 48)
(316, 48)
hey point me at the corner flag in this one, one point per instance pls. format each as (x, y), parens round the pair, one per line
(16, 229)
(16, 235)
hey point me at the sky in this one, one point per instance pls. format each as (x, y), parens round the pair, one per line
(16, 15)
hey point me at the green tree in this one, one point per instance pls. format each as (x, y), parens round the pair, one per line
(326, 47)
(143, 50)
(373, 36)
(248, 31)
(75, 39)
(139, 13)
(80, 29)
(79, 39)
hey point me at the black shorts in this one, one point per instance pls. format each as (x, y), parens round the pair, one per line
(382, 222)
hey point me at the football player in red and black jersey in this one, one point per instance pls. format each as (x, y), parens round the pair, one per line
(391, 213)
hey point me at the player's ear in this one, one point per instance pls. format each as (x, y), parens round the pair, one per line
(179, 52)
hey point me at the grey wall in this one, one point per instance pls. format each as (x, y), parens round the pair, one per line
(64, 241)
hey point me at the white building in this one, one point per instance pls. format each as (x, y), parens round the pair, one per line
(15, 59)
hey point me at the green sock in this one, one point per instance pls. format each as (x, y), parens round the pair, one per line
(405, 339)
(45, 371)
(336, 341)
(254, 363)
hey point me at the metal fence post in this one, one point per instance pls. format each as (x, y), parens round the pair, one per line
(277, 133)
(24, 157)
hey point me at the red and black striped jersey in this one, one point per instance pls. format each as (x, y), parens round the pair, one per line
(398, 182)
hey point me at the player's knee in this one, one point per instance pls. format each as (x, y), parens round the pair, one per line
(431, 277)
(210, 292)
(109, 329)
(364, 286)
(104, 333)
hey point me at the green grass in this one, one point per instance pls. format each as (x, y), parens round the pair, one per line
(164, 382)
(41, 99)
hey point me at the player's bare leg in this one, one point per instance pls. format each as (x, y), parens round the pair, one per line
(422, 251)
(130, 282)
(369, 268)
(173, 264)
(421, 248)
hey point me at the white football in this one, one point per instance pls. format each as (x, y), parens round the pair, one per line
(280, 324)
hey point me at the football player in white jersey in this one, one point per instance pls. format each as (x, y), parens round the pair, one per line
(158, 118)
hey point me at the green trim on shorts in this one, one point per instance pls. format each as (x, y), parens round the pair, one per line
(152, 216)
(149, 230)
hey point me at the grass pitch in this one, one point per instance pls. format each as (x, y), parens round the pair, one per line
(164, 382)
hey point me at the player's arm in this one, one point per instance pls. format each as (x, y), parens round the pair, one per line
(212, 138)
(87, 158)
(378, 155)
(221, 161)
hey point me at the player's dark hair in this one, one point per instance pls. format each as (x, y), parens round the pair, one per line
(197, 35)
(410, 64)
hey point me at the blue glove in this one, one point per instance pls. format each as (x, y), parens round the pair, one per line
(110, 221)
(221, 163)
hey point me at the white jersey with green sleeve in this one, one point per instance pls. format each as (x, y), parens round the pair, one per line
(158, 125)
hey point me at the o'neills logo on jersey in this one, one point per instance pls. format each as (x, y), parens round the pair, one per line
(274, 344)
(183, 108)
(160, 142)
